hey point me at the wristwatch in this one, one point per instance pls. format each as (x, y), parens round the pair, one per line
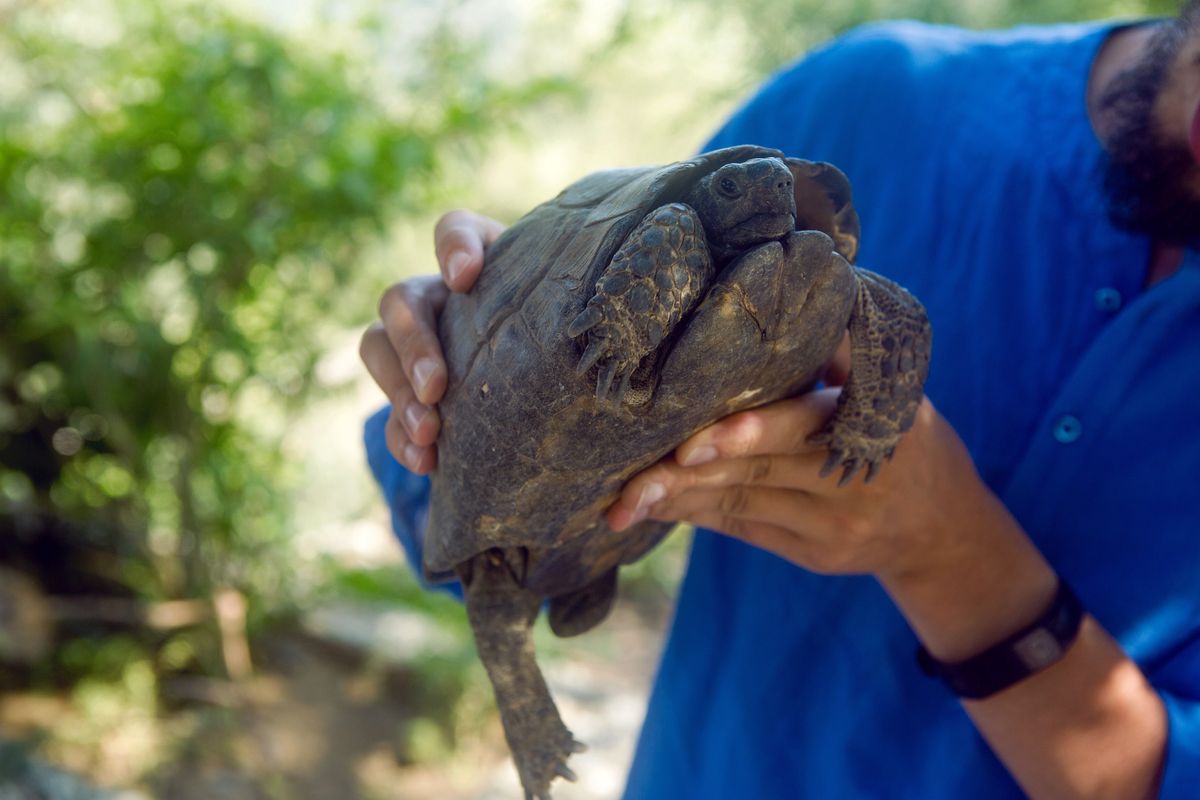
(1027, 652)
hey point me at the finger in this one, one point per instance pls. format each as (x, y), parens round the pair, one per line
(381, 361)
(409, 313)
(783, 508)
(775, 539)
(800, 471)
(459, 239)
(416, 458)
(420, 421)
(780, 427)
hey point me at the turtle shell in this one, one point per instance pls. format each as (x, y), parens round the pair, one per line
(527, 456)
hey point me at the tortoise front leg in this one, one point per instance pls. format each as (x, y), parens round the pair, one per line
(657, 276)
(502, 613)
(890, 343)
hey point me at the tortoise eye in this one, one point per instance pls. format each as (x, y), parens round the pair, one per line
(728, 187)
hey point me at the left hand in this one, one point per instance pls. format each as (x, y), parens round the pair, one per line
(754, 477)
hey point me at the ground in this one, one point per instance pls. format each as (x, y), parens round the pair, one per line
(331, 711)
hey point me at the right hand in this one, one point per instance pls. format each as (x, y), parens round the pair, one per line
(402, 351)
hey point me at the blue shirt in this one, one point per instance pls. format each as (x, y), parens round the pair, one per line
(975, 174)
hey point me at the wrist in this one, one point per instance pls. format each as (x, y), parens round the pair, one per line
(983, 584)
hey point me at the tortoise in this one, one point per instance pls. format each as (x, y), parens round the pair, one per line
(608, 325)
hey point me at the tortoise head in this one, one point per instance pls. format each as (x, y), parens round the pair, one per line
(745, 203)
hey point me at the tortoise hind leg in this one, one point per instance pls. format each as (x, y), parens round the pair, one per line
(502, 613)
(583, 609)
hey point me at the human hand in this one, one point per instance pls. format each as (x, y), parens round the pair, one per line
(754, 476)
(402, 351)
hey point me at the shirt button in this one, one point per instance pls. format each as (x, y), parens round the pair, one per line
(1108, 299)
(1067, 429)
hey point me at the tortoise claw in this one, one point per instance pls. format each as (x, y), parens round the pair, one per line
(831, 463)
(589, 318)
(852, 450)
(853, 465)
(613, 381)
(604, 380)
(594, 352)
(623, 388)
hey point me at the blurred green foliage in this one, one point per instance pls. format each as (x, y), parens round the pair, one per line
(187, 197)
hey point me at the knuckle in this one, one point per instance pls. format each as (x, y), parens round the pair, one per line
(734, 500)
(452, 218)
(369, 342)
(395, 436)
(745, 431)
(460, 233)
(392, 296)
(493, 229)
(409, 297)
(397, 314)
(759, 468)
(856, 527)
(673, 480)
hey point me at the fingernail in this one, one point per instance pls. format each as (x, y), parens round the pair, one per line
(650, 495)
(456, 265)
(701, 455)
(637, 516)
(412, 455)
(413, 416)
(422, 371)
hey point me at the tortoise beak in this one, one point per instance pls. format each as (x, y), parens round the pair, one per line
(761, 228)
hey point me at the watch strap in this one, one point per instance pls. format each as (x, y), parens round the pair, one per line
(1027, 652)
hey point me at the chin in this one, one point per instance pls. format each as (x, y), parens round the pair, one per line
(1164, 206)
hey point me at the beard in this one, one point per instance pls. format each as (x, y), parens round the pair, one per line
(1150, 182)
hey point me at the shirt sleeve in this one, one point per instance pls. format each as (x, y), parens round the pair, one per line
(406, 494)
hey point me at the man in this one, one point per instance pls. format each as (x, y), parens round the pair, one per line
(1057, 444)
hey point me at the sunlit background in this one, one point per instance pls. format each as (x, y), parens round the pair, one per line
(199, 204)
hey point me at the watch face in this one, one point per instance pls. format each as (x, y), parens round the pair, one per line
(1038, 649)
